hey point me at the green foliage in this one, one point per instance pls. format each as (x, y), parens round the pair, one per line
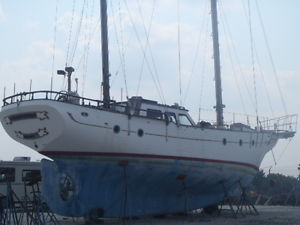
(283, 189)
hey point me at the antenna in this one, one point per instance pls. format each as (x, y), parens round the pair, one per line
(76, 81)
(4, 92)
(30, 85)
(68, 71)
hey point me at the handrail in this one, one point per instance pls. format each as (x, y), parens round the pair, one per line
(280, 124)
(49, 95)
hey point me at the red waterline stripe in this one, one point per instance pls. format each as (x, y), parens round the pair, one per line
(62, 153)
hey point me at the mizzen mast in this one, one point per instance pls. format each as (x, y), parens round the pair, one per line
(217, 67)
(105, 57)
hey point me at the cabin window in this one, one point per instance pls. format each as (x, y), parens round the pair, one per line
(33, 176)
(7, 174)
(154, 114)
(184, 120)
(171, 116)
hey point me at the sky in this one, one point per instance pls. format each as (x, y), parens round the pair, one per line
(162, 50)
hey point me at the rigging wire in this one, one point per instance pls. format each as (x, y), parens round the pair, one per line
(78, 32)
(118, 43)
(122, 50)
(227, 36)
(235, 54)
(264, 82)
(203, 24)
(89, 36)
(70, 31)
(54, 44)
(260, 68)
(284, 150)
(179, 50)
(252, 59)
(154, 74)
(203, 72)
(271, 57)
(147, 31)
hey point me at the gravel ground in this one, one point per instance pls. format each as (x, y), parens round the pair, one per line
(268, 215)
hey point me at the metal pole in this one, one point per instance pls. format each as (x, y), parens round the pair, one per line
(105, 57)
(69, 82)
(30, 85)
(219, 105)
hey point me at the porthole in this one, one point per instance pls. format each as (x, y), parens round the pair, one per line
(140, 133)
(224, 141)
(241, 142)
(85, 114)
(117, 129)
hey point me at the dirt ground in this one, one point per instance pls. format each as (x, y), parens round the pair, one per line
(268, 215)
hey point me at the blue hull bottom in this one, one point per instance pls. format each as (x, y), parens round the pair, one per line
(122, 187)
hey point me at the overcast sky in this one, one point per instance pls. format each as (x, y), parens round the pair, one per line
(139, 28)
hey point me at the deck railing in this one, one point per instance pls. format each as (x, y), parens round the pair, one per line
(51, 95)
(280, 124)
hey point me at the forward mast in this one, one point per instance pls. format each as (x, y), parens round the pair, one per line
(105, 56)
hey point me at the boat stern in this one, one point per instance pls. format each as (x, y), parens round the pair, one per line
(32, 123)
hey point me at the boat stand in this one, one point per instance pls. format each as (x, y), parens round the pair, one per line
(9, 214)
(227, 200)
(29, 210)
(36, 211)
(182, 178)
(243, 205)
(125, 214)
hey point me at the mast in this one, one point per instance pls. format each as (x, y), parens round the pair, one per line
(217, 67)
(105, 57)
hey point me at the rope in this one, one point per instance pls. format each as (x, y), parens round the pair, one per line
(70, 32)
(271, 57)
(252, 59)
(179, 50)
(54, 44)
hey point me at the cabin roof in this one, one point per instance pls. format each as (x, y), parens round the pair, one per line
(140, 99)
